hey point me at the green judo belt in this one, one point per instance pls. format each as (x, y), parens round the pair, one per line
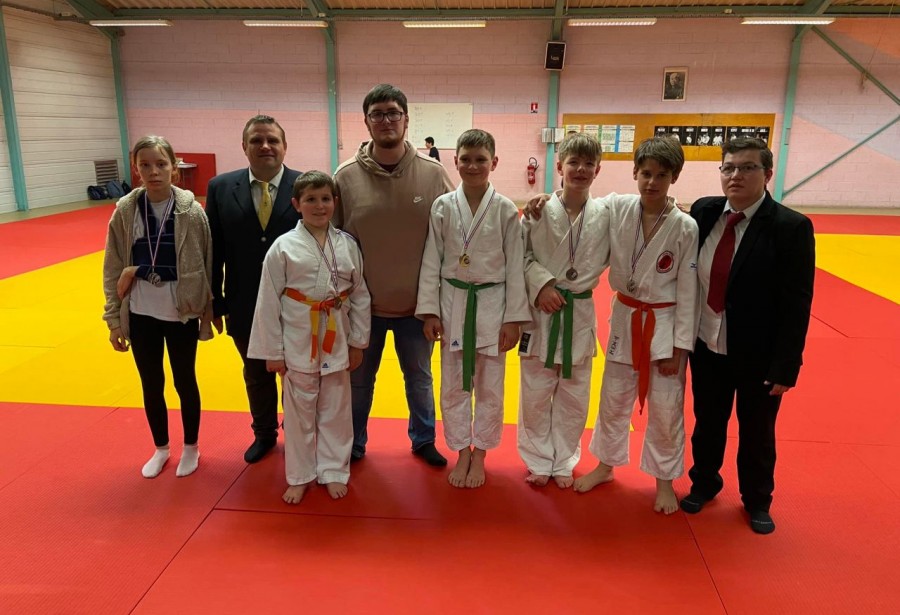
(568, 316)
(468, 349)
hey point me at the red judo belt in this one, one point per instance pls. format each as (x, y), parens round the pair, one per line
(641, 336)
(315, 311)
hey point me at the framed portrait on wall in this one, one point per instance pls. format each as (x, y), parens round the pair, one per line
(675, 83)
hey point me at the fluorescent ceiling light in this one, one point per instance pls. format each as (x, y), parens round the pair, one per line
(614, 21)
(116, 23)
(286, 23)
(787, 21)
(464, 23)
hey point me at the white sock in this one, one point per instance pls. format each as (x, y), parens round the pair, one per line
(153, 467)
(190, 457)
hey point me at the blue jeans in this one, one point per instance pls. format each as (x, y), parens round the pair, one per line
(414, 352)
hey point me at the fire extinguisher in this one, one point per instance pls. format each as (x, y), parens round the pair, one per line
(531, 170)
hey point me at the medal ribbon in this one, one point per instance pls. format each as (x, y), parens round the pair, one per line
(568, 317)
(574, 246)
(315, 310)
(162, 224)
(637, 232)
(332, 267)
(641, 338)
(469, 326)
(467, 237)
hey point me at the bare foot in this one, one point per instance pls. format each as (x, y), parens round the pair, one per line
(666, 500)
(457, 476)
(294, 494)
(538, 480)
(564, 482)
(599, 475)
(336, 490)
(475, 477)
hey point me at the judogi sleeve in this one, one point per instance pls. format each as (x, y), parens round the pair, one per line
(517, 310)
(428, 302)
(687, 314)
(267, 334)
(360, 302)
(536, 275)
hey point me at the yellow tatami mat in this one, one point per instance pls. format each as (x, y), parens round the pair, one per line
(868, 261)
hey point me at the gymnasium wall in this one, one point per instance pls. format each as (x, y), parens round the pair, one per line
(65, 101)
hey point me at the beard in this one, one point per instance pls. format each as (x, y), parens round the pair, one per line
(387, 140)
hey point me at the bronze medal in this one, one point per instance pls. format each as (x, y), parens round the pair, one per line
(154, 278)
(338, 302)
(571, 274)
(631, 286)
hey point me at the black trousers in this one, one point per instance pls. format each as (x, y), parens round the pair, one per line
(148, 338)
(716, 381)
(262, 393)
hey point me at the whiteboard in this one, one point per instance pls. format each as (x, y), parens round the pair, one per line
(443, 121)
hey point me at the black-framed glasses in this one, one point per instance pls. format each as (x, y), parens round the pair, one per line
(730, 169)
(376, 117)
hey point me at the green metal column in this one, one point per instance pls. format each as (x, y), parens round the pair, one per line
(553, 99)
(114, 38)
(331, 77)
(788, 119)
(10, 120)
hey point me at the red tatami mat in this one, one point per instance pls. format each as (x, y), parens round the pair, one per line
(27, 245)
(854, 311)
(83, 532)
(855, 225)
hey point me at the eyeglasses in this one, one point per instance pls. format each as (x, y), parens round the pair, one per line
(376, 117)
(729, 169)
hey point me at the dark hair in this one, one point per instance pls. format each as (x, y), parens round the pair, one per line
(664, 150)
(262, 119)
(384, 92)
(161, 143)
(739, 144)
(429, 140)
(476, 138)
(312, 179)
(580, 144)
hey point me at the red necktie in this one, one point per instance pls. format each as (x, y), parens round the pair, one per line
(721, 264)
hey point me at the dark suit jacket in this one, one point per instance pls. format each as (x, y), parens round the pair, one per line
(770, 288)
(240, 244)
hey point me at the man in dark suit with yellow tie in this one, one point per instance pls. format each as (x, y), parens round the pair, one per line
(247, 210)
(756, 269)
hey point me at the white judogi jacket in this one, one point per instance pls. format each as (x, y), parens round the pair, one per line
(495, 254)
(282, 326)
(547, 259)
(666, 272)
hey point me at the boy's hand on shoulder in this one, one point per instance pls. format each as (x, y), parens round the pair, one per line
(509, 336)
(670, 366)
(534, 206)
(549, 300)
(356, 356)
(433, 329)
(276, 366)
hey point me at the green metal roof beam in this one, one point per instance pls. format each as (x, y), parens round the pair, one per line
(89, 9)
(816, 7)
(862, 69)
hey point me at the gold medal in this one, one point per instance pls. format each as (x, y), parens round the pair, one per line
(338, 302)
(464, 260)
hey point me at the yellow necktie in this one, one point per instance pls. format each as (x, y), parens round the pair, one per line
(265, 205)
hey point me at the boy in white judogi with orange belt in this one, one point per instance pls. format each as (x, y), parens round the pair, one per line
(472, 298)
(566, 250)
(311, 323)
(653, 270)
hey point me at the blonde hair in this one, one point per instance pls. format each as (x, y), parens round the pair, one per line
(160, 143)
(580, 144)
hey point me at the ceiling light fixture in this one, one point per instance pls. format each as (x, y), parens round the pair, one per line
(117, 23)
(286, 23)
(614, 21)
(787, 21)
(463, 23)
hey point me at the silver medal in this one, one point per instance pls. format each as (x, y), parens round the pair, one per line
(154, 278)
(571, 274)
(631, 286)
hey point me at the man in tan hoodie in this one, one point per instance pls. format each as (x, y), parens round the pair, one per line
(386, 191)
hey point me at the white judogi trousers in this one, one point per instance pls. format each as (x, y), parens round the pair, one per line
(318, 427)
(552, 413)
(663, 452)
(461, 430)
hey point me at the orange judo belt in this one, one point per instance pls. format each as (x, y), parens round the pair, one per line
(315, 311)
(641, 336)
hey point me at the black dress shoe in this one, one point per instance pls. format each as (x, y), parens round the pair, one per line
(761, 522)
(693, 503)
(431, 455)
(258, 449)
